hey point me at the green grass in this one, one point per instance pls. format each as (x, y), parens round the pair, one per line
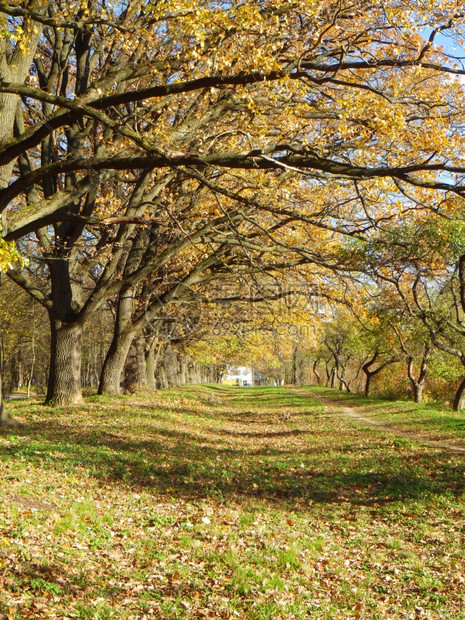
(428, 419)
(215, 502)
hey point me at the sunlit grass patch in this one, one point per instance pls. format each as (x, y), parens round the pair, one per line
(226, 502)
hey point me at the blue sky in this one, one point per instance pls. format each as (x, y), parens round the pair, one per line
(449, 43)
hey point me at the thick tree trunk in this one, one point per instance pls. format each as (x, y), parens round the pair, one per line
(113, 366)
(141, 364)
(162, 379)
(418, 384)
(368, 379)
(418, 392)
(150, 365)
(64, 384)
(171, 367)
(459, 400)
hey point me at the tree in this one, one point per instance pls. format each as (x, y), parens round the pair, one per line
(23, 344)
(261, 104)
(416, 346)
(24, 339)
(443, 314)
(418, 277)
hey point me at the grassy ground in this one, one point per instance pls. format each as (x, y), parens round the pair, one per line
(429, 419)
(216, 502)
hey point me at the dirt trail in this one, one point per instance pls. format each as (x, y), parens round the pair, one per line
(336, 408)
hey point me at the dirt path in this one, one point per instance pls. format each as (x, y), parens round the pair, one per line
(338, 409)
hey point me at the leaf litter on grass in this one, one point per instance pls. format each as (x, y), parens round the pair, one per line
(171, 505)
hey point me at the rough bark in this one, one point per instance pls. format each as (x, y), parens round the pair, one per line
(161, 377)
(64, 385)
(66, 327)
(141, 364)
(123, 336)
(418, 392)
(14, 67)
(113, 366)
(150, 366)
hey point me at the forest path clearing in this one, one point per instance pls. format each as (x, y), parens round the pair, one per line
(336, 407)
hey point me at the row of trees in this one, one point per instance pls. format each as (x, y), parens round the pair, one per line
(158, 156)
(159, 358)
(412, 338)
(409, 313)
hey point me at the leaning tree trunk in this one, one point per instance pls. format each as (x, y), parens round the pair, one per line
(332, 379)
(459, 400)
(368, 377)
(113, 366)
(64, 384)
(315, 372)
(123, 335)
(369, 374)
(14, 67)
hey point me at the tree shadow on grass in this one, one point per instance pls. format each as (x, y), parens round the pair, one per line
(270, 435)
(192, 466)
(257, 416)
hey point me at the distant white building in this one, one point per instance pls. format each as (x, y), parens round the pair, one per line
(238, 375)
(243, 375)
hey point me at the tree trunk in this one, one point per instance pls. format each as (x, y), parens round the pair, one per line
(371, 373)
(113, 366)
(294, 367)
(343, 384)
(162, 379)
(418, 392)
(141, 364)
(315, 372)
(369, 377)
(419, 384)
(150, 365)
(64, 384)
(14, 67)
(30, 376)
(2, 413)
(459, 400)
(332, 382)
